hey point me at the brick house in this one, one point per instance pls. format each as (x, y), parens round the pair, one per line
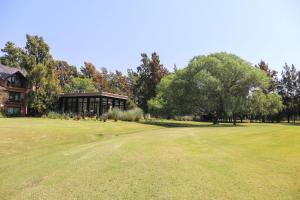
(13, 90)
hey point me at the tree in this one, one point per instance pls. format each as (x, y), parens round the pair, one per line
(13, 55)
(265, 105)
(217, 85)
(149, 73)
(80, 85)
(3, 98)
(65, 72)
(288, 90)
(272, 74)
(36, 59)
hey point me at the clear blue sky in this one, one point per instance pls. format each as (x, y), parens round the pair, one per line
(113, 33)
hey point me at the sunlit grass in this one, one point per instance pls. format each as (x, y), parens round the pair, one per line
(66, 159)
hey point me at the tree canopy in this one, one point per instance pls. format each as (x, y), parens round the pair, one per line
(218, 85)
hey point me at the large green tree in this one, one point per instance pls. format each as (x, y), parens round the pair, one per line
(36, 59)
(217, 85)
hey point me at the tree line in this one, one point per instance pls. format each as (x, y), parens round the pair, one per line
(216, 87)
(224, 87)
(49, 77)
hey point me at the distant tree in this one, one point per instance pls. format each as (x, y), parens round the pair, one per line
(65, 72)
(13, 55)
(80, 85)
(288, 90)
(88, 70)
(272, 74)
(149, 73)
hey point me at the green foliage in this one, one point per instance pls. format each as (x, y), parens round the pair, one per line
(13, 55)
(148, 76)
(263, 105)
(115, 114)
(130, 104)
(36, 59)
(80, 85)
(217, 85)
(54, 115)
(2, 114)
(135, 114)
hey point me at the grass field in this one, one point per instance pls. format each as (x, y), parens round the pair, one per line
(60, 159)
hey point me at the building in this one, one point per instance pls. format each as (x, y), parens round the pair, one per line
(95, 103)
(13, 90)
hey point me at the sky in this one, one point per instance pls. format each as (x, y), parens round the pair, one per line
(113, 33)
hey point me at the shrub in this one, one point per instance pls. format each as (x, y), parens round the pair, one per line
(54, 115)
(184, 118)
(135, 114)
(2, 114)
(115, 114)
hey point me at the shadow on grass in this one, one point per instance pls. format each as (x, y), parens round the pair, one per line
(291, 123)
(174, 124)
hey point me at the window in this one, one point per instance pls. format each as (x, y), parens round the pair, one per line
(122, 106)
(117, 105)
(104, 105)
(97, 104)
(14, 97)
(14, 81)
(84, 105)
(92, 104)
(12, 111)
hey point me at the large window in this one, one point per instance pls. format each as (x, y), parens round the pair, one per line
(14, 96)
(13, 111)
(104, 105)
(84, 107)
(122, 105)
(92, 105)
(97, 105)
(117, 104)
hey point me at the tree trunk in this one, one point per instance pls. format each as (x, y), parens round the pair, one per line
(234, 119)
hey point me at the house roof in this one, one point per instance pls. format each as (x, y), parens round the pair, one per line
(89, 94)
(6, 71)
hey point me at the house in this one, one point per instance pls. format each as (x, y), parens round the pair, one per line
(13, 90)
(95, 103)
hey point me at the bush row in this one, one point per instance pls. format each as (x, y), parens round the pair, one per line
(116, 114)
(135, 114)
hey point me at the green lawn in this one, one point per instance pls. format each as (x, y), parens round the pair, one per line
(61, 159)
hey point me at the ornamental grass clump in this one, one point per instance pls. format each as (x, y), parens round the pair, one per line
(135, 114)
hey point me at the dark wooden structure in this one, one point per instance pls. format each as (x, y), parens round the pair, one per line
(13, 84)
(96, 103)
